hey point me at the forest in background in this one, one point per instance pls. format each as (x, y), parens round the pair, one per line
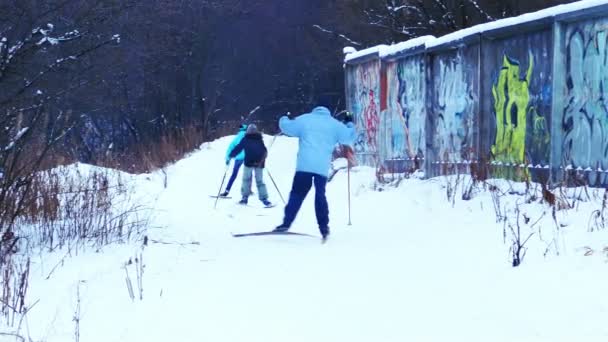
(135, 84)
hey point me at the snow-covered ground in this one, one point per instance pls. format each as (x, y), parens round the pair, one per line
(411, 267)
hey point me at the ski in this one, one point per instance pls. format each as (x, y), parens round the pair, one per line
(213, 196)
(271, 232)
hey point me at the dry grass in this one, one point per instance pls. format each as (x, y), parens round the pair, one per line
(154, 155)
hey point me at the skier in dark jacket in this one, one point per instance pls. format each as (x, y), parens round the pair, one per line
(255, 159)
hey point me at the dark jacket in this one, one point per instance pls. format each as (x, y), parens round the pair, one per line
(255, 150)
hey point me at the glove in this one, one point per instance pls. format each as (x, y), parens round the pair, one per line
(227, 162)
(348, 117)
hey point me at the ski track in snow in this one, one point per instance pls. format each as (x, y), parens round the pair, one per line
(409, 268)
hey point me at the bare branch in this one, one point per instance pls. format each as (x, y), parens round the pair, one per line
(337, 34)
(58, 63)
(480, 10)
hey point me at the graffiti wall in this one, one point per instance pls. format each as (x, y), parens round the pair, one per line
(584, 118)
(524, 100)
(453, 116)
(516, 90)
(363, 100)
(406, 113)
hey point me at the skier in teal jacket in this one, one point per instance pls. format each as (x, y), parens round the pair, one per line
(238, 160)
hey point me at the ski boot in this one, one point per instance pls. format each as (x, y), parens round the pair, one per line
(281, 228)
(324, 234)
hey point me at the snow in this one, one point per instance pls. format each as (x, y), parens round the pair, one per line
(18, 136)
(13, 49)
(348, 49)
(396, 48)
(384, 50)
(413, 266)
(365, 52)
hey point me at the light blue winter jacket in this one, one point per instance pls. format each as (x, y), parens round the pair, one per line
(318, 133)
(236, 141)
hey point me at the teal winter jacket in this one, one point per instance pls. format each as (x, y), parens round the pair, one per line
(236, 141)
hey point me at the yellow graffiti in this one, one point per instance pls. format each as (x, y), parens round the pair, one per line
(511, 98)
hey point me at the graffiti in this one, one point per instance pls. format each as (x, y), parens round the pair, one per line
(585, 116)
(511, 98)
(363, 85)
(406, 109)
(394, 139)
(455, 119)
(539, 140)
(361, 142)
(411, 101)
(372, 120)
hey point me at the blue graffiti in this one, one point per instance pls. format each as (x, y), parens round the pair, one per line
(585, 120)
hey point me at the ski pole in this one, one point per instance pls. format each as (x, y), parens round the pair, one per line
(250, 114)
(275, 185)
(221, 186)
(348, 182)
(273, 140)
(276, 135)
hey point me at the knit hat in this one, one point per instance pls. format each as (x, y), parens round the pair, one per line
(252, 128)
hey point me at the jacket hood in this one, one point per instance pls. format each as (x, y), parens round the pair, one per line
(243, 128)
(320, 110)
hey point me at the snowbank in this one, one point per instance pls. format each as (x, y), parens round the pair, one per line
(417, 263)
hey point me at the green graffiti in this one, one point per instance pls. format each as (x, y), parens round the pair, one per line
(511, 99)
(541, 135)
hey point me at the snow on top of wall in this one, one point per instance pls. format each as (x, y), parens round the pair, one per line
(385, 50)
(408, 44)
(365, 52)
(430, 41)
(348, 49)
(524, 18)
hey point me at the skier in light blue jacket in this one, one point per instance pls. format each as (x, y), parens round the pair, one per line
(238, 160)
(318, 134)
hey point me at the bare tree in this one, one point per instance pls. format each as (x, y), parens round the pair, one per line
(48, 50)
(404, 19)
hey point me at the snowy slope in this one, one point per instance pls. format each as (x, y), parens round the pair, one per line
(410, 268)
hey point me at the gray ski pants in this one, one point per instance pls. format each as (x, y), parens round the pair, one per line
(259, 182)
